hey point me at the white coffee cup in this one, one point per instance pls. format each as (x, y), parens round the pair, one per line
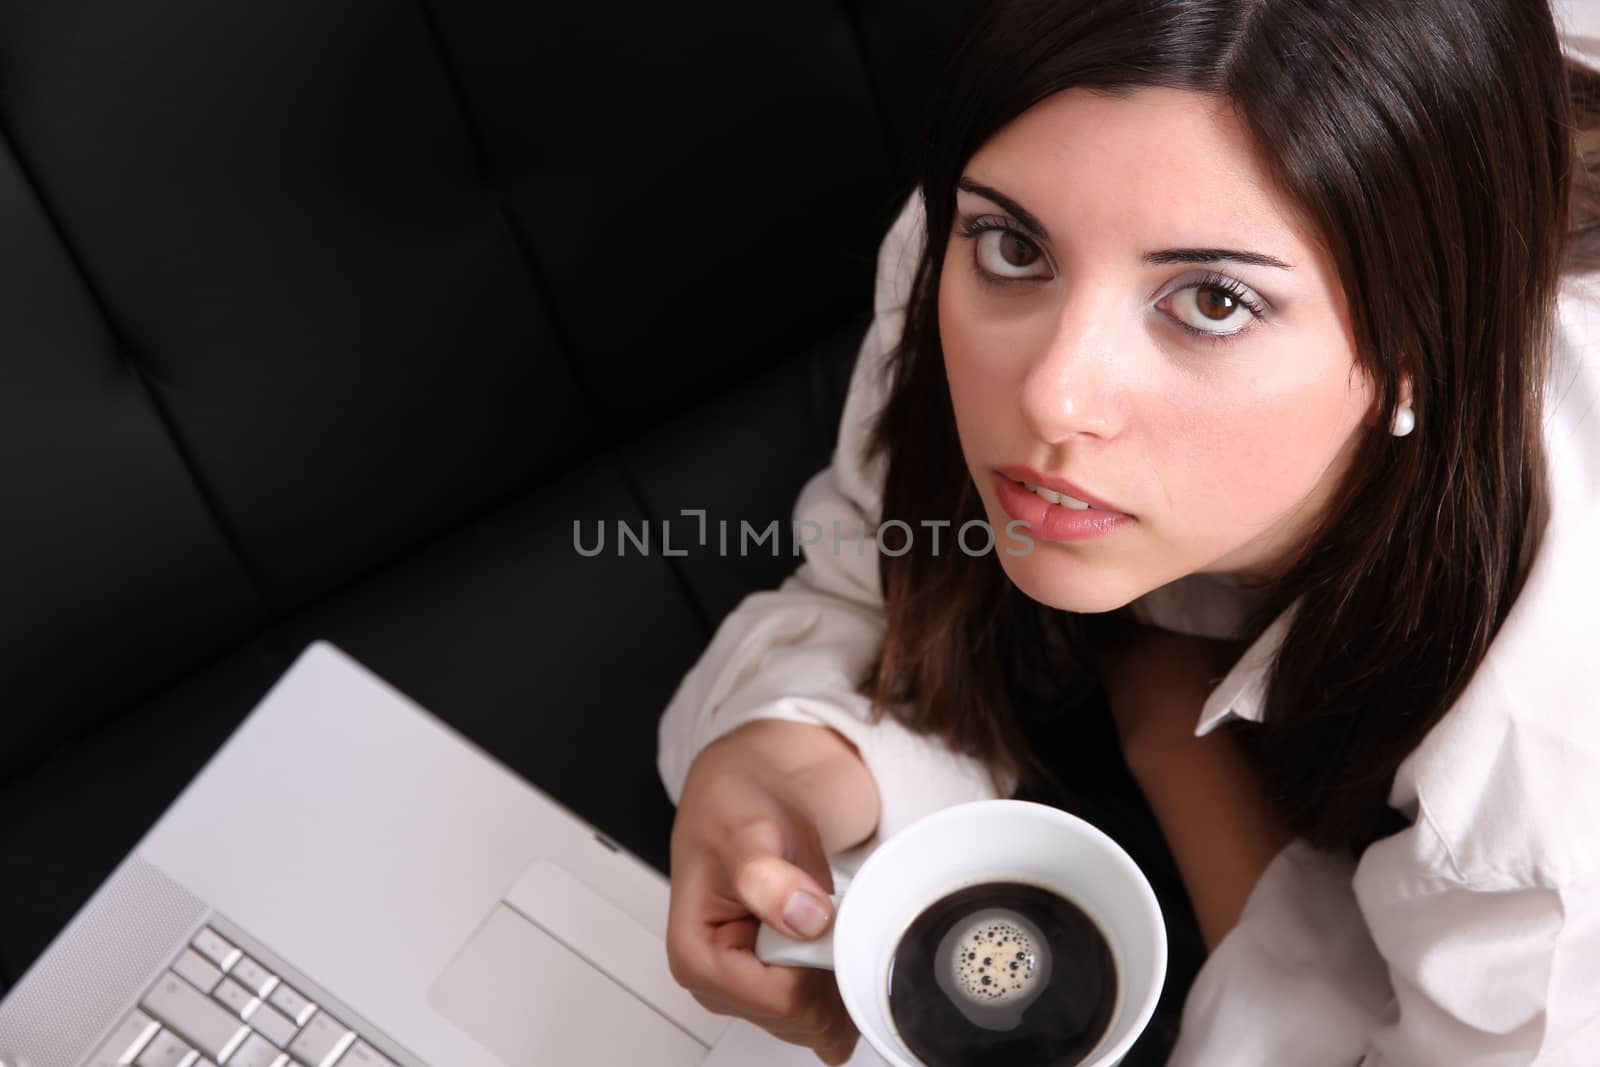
(970, 844)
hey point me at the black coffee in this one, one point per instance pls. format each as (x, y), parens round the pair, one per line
(1003, 973)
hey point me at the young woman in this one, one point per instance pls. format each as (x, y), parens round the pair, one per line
(1270, 327)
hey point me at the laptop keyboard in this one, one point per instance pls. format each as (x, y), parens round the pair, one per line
(217, 1007)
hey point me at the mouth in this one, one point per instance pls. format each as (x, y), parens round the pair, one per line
(1053, 513)
(1059, 498)
(1057, 491)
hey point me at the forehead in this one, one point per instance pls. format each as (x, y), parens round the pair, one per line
(1139, 166)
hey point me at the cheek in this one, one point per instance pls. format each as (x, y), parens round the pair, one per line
(1250, 455)
(985, 358)
(975, 387)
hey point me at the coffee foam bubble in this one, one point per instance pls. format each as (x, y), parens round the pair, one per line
(992, 965)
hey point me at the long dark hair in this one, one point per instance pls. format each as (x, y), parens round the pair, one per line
(1439, 148)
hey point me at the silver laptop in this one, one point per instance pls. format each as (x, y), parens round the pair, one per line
(348, 883)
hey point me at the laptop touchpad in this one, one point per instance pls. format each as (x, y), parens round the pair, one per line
(529, 999)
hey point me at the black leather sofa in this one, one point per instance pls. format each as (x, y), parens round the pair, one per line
(329, 320)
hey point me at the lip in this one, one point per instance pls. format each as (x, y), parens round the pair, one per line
(1060, 485)
(1054, 522)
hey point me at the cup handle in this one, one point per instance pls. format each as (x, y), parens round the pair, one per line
(774, 947)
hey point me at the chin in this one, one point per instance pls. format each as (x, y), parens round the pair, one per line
(1068, 585)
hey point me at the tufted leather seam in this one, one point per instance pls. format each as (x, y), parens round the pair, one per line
(851, 12)
(141, 376)
(480, 154)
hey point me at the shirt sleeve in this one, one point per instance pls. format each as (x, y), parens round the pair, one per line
(1500, 970)
(1393, 962)
(797, 652)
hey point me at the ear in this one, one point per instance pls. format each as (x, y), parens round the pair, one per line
(1405, 391)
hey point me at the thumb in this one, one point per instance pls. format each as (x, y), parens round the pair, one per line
(781, 895)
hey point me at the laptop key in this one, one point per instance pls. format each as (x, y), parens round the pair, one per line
(208, 1025)
(362, 1054)
(235, 996)
(256, 1052)
(254, 977)
(322, 1042)
(126, 1041)
(199, 970)
(291, 1004)
(273, 1025)
(215, 948)
(167, 1049)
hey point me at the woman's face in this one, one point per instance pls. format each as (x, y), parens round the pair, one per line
(1091, 236)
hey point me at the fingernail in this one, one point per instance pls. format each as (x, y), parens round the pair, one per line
(805, 914)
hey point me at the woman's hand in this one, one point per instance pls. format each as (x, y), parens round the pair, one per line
(762, 810)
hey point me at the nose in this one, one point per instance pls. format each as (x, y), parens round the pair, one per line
(1069, 389)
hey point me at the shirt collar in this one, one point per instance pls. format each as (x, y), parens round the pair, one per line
(1216, 605)
(1242, 693)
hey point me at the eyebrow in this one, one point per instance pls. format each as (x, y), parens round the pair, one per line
(1030, 223)
(1214, 255)
(1024, 217)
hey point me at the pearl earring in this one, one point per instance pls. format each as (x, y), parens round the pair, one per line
(1405, 420)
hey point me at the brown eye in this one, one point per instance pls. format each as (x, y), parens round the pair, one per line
(1208, 303)
(1215, 304)
(1007, 255)
(1017, 251)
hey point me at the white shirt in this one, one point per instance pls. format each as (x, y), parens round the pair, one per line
(1470, 938)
